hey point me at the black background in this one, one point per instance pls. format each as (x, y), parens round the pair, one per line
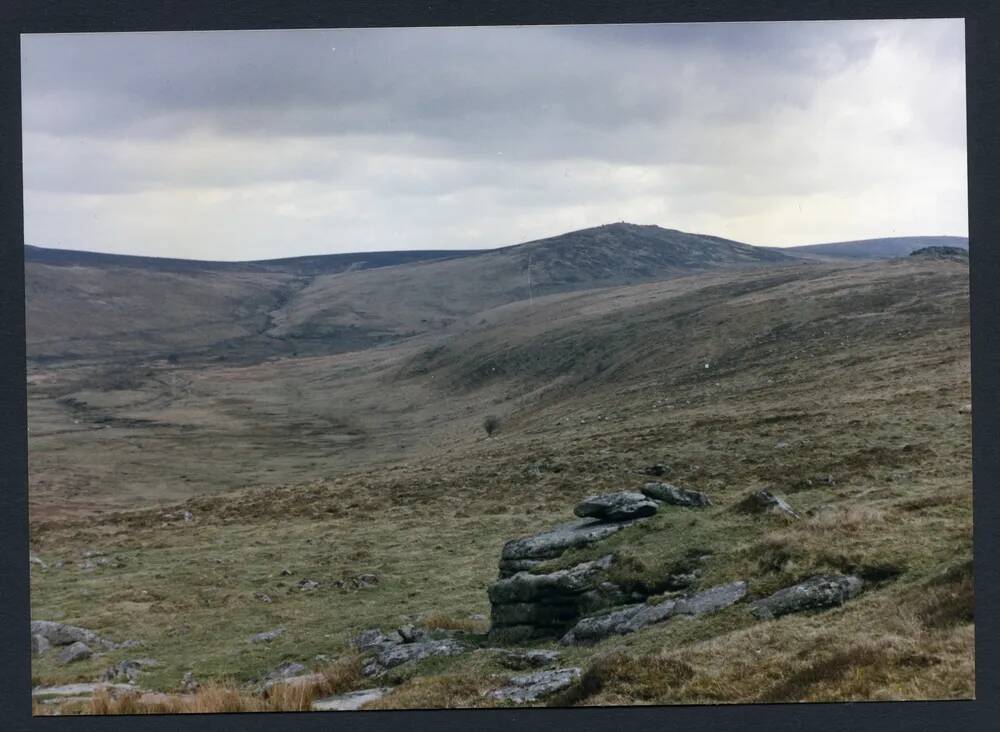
(983, 78)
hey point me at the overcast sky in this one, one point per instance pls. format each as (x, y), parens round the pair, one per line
(247, 145)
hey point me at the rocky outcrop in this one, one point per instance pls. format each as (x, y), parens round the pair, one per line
(631, 618)
(39, 645)
(544, 605)
(821, 591)
(669, 493)
(532, 687)
(620, 506)
(524, 554)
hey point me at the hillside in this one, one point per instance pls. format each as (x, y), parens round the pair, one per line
(841, 387)
(867, 249)
(90, 305)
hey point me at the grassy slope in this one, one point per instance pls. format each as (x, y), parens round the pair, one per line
(853, 372)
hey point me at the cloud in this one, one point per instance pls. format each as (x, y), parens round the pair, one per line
(237, 145)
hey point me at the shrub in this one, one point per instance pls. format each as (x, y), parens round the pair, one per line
(491, 423)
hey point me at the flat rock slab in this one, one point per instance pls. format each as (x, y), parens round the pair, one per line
(620, 506)
(525, 587)
(350, 701)
(532, 658)
(532, 687)
(407, 652)
(669, 493)
(73, 690)
(553, 543)
(821, 591)
(631, 618)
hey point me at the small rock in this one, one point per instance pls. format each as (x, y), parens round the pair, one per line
(37, 562)
(553, 543)
(673, 495)
(821, 591)
(965, 408)
(656, 470)
(128, 670)
(267, 636)
(397, 655)
(765, 502)
(285, 573)
(620, 506)
(531, 687)
(60, 634)
(188, 683)
(350, 701)
(187, 516)
(306, 585)
(410, 634)
(374, 639)
(75, 652)
(533, 658)
(262, 596)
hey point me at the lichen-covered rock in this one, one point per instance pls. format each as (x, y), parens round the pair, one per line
(620, 506)
(539, 605)
(406, 652)
(631, 618)
(74, 652)
(669, 493)
(127, 670)
(553, 543)
(821, 591)
(374, 639)
(39, 645)
(531, 658)
(531, 687)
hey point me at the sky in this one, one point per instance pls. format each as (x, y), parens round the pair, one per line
(237, 145)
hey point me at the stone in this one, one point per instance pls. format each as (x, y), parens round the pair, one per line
(766, 502)
(59, 634)
(669, 493)
(188, 683)
(305, 585)
(821, 591)
(532, 658)
(262, 596)
(553, 543)
(411, 634)
(350, 701)
(632, 618)
(267, 636)
(127, 670)
(396, 655)
(526, 587)
(37, 562)
(965, 408)
(531, 687)
(39, 645)
(656, 470)
(74, 652)
(374, 639)
(619, 506)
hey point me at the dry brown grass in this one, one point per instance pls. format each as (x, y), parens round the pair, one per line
(436, 692)
(443, 621)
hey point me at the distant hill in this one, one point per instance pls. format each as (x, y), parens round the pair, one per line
(899, 246)
(305, 265)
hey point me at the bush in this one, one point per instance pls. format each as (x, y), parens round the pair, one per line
(491, 423)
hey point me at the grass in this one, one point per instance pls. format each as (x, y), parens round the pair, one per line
(856, 426)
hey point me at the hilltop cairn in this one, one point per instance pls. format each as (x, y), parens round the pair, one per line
(526, 603)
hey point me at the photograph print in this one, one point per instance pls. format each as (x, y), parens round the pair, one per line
(468, 367)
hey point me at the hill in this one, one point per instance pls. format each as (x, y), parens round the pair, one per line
(95, 305)
(189, 506)
(866, 249)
